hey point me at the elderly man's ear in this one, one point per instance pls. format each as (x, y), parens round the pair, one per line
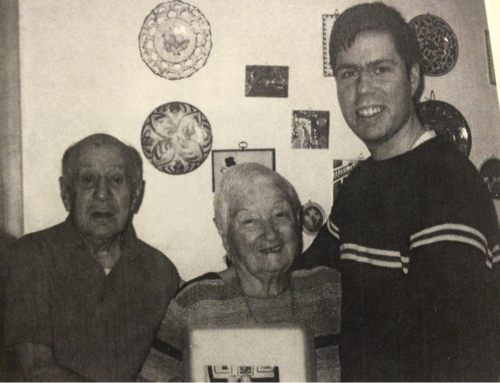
(64, 187)
(138, 195)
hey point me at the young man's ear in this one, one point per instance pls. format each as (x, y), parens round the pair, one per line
(137, 197)
(64, 187)
(415, 78)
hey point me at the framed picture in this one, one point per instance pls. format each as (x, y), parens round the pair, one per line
(341, 169)
(328, 21)
(266, 81)
(236, 361)
(310, 129)
(224, 159)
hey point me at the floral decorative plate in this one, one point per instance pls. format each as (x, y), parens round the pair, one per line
(438, 44)
(446, 121)
(313, 217)
(175, 40)
(176, 138)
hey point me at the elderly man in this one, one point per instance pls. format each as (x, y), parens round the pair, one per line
(413, 229)
(85, 297)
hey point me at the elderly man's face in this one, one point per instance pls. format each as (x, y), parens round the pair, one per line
(263, 234)
(102, 198)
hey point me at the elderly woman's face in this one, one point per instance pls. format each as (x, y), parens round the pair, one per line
(102, 200)
(263, 233)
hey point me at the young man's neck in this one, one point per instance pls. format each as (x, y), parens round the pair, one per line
(401, 143)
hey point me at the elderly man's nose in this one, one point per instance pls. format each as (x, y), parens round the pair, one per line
(102, 190)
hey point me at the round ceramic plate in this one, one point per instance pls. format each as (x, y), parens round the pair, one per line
(438, 44)
(176, 138)
(446, 121)
(313, 217)
(490, 171)
(175, 40)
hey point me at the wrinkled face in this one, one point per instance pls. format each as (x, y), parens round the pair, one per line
(101, 199)
(373, 87)
(263, 235)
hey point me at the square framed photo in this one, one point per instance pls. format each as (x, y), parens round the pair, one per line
(224, 159)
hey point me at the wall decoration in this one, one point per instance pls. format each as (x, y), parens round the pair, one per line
(328, 21)
(176, 138)
(438, 44)
(341, 169)
(237, 373)
(446, 121)
(313, 217)
(310, 129)
(490, 171)
(224, 159)
(175, 40)
(489, 55)
(266, 81)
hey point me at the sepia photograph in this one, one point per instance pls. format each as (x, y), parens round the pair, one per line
(252, 190)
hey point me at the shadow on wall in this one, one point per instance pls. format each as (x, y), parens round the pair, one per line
(7, 359)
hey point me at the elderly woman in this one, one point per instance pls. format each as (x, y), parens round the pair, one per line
(257, 214)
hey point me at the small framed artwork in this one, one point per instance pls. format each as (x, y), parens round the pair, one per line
(341, 169)
(224, 159)
(310, 129)
(328, 21)
(266, 81)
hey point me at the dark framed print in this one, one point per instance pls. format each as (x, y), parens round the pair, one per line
(224, 159)
(266, 81)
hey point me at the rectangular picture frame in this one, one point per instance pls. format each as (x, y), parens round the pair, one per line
(225, 158)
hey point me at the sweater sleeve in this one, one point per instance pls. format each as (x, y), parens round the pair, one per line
(455, 278)
(164, 362)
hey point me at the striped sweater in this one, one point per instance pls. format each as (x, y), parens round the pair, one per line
(208, 300)
(415, 238)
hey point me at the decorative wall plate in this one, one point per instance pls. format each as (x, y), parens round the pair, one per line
(446, 121)
(313, 217)
(176, 138)
(438, 44)
(175, 40)
(490, 171)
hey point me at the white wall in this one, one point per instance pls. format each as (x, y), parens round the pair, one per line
(82, 73)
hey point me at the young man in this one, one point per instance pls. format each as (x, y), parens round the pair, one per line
(85, 297)
(413, 230)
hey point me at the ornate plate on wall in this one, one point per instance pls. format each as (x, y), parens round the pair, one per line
(176, 138)
(313, 217)
(175, 40)
(490, 171)
(446, 121)
(438, 44)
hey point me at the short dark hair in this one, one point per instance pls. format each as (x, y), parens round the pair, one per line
(374, 17)
(130, 154)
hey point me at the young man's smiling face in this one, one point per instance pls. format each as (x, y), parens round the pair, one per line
(374, 89)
